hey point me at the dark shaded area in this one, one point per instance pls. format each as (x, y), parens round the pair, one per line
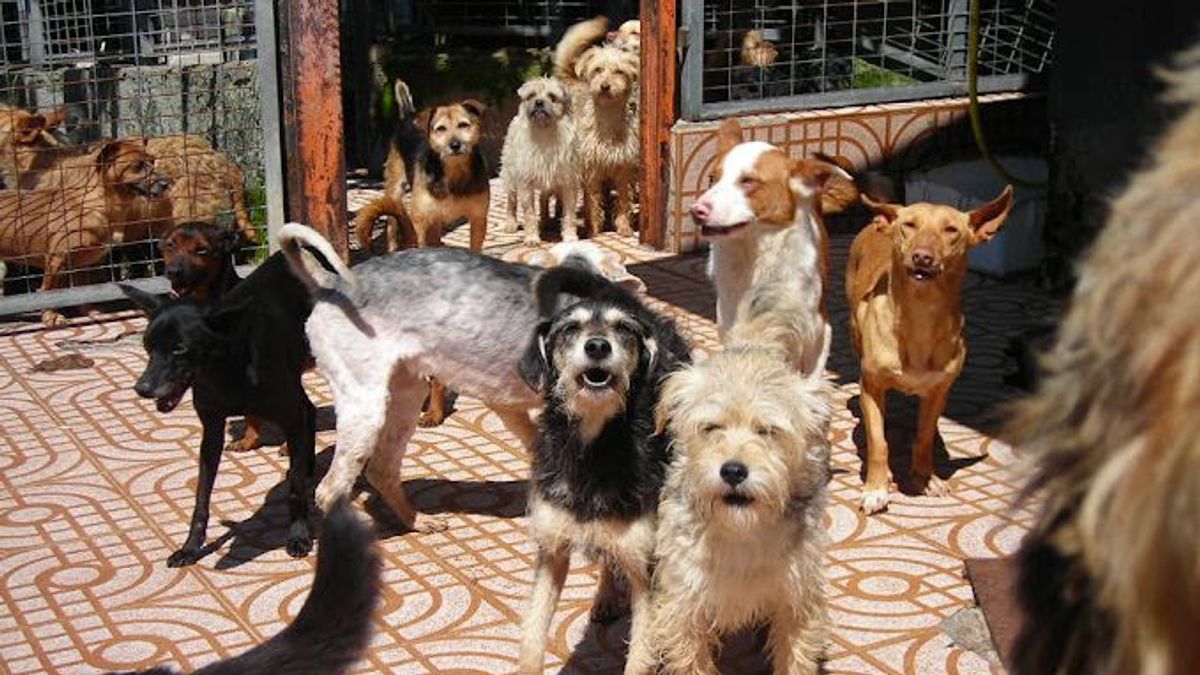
(994, 582)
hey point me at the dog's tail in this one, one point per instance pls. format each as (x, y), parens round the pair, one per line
(293, 237)
(404, 101)
(364, 220)
(841, 189)
(577, 281)
(334, 625)
(577, 40)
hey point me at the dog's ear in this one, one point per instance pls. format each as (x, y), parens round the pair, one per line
(987, 220)
(884, 209)
(475, 107)
(229, 241)
(729, 134)
(111, 150)
(29, 128)
(535, 367)
(147, 302)
(581, 65)
(423, 120)
(670, 396)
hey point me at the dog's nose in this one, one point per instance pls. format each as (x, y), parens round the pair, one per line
(922, 257)
(700, 212)
(455, 145)
(606, 87)
(143, 389)
(734, 472)
(597, 348)
(539, 104)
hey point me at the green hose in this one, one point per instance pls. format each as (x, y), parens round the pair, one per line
(973, 107)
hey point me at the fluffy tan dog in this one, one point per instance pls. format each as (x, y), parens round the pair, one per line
(603, 83)
(1110, 573)
(739, 537)
(904, 286)
(539, 156)
(758, 51)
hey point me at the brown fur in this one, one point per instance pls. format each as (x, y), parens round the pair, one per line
(204, 182)
(64, 229)
(1110, 573)
(756, 51)
(907, 330)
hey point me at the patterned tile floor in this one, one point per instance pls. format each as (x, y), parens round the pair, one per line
(96, 488)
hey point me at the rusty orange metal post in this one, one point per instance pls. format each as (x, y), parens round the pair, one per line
(314, 162)
(657, 105)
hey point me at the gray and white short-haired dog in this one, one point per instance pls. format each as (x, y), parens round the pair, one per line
(377, 331)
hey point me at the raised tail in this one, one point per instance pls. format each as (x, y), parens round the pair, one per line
(577, 40)
(404, 100)
(293, 237)
(364, 220)
(334, 626)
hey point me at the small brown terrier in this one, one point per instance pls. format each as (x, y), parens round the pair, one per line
(71, 228)
(904, 285)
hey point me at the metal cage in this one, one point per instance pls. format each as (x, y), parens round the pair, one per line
(765, 55)
(181, 79)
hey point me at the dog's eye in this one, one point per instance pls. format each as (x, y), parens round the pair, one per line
(440, 128)
(463, 125)
(748, 182)
(950, 229)
(553, 98)
(766, 430)
(710, 428)
(908, 225)
(202, 251)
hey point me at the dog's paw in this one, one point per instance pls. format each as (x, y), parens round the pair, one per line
(531, 239)
(326, 495)
(509, 227)
(183, 557)
(240, 445)
(569, 234)
(934, 486)
(427, 524)
(429, 419)
(51, 317)
(874, 500)
(623, 227)
(299, 546)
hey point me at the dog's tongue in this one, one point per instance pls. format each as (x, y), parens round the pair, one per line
(166, 404)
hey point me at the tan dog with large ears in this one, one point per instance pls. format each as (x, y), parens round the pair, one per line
(904, 285)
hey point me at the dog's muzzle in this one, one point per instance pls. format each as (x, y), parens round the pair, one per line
(733, 474)
(539, 114)
(597, 350)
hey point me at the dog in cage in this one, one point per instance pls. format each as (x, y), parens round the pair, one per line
(204, 183)
(603, 83)
(62, 229)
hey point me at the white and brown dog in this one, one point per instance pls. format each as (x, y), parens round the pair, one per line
(603, 83)
(769, 245)
(539, 156)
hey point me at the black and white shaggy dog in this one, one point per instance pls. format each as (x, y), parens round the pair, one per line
(598, 466)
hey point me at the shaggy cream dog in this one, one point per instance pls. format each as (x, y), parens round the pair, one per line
(603, 83)
(739, 536)
(539, 156)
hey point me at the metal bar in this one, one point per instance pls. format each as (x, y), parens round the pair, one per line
(268, 104)
(692, 90)
(657, 114)
(315, 162)
(834, 99)
(956, 54)
(91, 294)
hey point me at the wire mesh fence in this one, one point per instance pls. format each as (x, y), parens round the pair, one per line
(120, 119)
(767, 54)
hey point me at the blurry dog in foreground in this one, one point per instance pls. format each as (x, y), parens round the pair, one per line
(904, 287)
(1110, 572)
(539, 156)
(603, 82)
(597, 464)
(739, 535)
(334, 626)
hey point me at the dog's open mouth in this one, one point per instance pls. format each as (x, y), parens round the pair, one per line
(540, 115)
(168, 402)
(737, 499)
(710, 232)
(922, 274)
(595, 378)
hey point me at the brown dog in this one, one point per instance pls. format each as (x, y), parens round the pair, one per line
(70, 228)
(904, 285)
(198, 261)
(204, 182)
(437, 154)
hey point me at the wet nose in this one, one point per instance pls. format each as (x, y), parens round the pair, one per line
(539, 103)
(143, 388)
(701, 212)
(455, 145)
(606, 87)
(734, 472)
(922, 257)
(597, 348)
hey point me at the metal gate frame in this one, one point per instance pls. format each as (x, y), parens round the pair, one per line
(693, 107)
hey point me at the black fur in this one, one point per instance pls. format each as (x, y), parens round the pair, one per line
(620, 473)
(334, 625)
(242, 356)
